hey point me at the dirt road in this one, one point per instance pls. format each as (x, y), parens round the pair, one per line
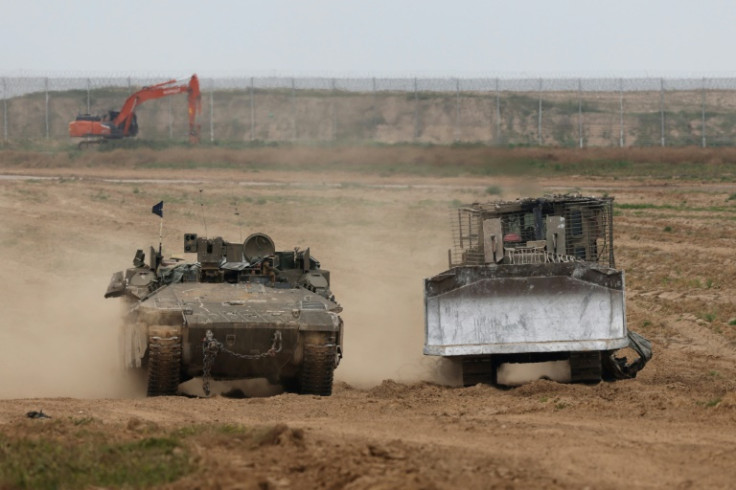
(395, 420)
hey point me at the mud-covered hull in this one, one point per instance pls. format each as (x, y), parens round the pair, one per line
(260, 331)
(242, 310)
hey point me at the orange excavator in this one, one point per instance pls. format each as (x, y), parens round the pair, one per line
(123, 123)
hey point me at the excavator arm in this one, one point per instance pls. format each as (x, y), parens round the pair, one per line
(194, 98)
(122, 122)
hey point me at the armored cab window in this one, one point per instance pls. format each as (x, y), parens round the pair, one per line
(589, 231)
(527, 231)
(513, 226)
(575, 223)
(467, 225)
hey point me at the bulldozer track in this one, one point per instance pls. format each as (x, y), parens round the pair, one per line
(164, 364)
(476, 371)
(318, 369)
(585, 367)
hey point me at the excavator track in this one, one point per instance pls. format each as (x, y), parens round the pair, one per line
(164, 365)
(318, 367)
(86, 143)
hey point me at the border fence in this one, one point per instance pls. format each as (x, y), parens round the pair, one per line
(566, 112)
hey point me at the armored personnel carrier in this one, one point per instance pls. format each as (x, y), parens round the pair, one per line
(242, 310)
(532, 291)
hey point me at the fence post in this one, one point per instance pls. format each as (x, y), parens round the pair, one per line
(661, 108)
(293, 109)
(334, 110)
(416, 110)
(5, 110)
(212, 111)
(539, 122)
(373, 93)
(88, 104)
(703, 107)
(252, 112)
(497, 134)
(620, 112)
(46, 90)
(580, 112)
(373, 114)
(457, 110)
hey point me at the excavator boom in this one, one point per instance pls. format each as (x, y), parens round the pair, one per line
(123, 123)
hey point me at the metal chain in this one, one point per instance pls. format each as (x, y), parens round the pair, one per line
(211, 347)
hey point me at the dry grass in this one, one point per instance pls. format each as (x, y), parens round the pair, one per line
(689, 162)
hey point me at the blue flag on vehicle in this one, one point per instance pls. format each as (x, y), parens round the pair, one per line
(158, 209)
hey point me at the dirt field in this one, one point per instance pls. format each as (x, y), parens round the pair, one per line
(397, 418)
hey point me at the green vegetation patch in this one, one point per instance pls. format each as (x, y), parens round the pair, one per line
(644, 205)
(90, 460)
(76, 453)
(493, 190)
(407, 159)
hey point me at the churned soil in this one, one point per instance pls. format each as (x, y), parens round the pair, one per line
(397, 419)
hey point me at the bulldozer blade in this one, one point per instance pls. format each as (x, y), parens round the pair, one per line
(511, 309)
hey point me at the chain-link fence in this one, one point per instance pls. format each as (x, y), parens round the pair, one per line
(495, 111)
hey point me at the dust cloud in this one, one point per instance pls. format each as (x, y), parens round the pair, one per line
(60, 339)
(517, 374)
(379, 280)
(378, 271)
(59, 336)
(384, 335)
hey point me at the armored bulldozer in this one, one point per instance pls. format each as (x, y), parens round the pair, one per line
(532, 292)
(241, 311)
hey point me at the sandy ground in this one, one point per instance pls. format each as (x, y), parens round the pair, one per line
(396, 419)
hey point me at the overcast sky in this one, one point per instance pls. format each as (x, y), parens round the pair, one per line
(461, 38)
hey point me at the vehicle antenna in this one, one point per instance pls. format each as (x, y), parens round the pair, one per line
(204, 220)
